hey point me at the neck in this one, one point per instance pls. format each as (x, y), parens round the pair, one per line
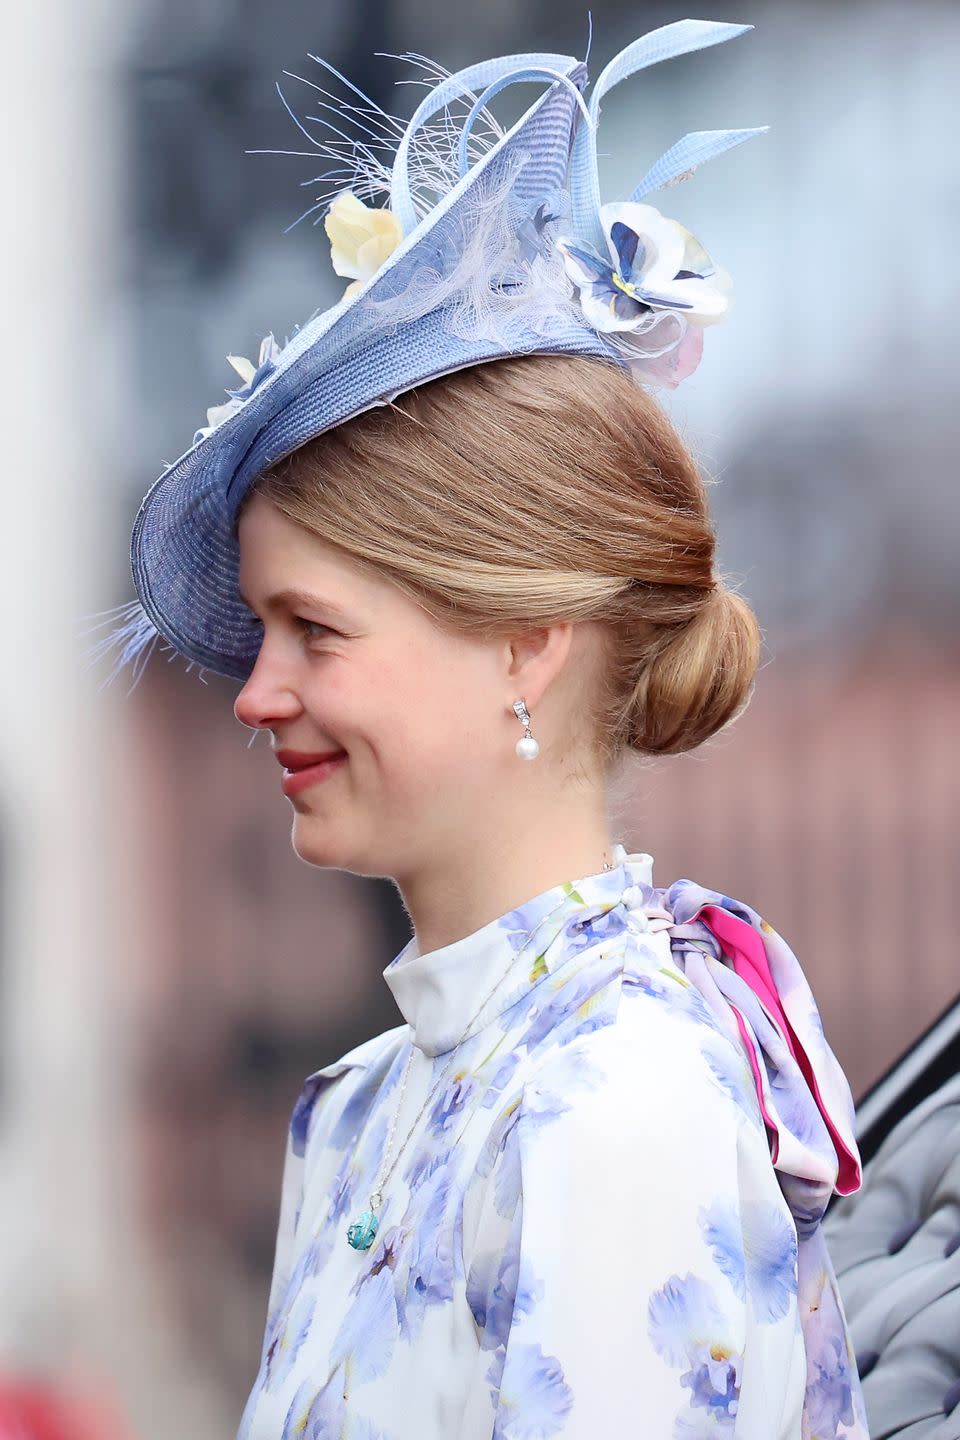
(476, 879)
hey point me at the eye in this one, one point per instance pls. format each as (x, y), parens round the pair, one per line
(315, 624)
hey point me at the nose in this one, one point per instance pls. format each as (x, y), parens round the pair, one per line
(265, 699)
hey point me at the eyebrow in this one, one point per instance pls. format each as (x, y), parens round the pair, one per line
(293, 597)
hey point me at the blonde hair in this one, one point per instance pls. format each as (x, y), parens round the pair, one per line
(534, 489)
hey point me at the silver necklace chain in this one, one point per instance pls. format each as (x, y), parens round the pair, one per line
(376, 1197)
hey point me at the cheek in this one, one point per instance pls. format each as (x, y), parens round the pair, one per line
(435, 712)
(328, 690)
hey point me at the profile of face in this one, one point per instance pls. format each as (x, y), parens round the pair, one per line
(423, 717)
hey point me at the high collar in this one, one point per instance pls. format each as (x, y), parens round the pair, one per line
(448, 994)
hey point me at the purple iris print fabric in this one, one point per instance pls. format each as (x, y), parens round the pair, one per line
(607, 1220)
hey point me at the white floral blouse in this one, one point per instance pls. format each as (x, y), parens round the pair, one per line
(606, 1223)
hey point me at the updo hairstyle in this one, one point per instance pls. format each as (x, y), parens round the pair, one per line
(540, 488)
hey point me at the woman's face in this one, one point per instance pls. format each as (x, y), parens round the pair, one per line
(424, 718)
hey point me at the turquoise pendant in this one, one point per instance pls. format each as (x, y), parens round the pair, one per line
(362, 1232)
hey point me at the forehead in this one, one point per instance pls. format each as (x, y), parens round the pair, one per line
(276, 550)
(281, 562)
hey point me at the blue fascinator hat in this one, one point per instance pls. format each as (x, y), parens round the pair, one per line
(474, 257)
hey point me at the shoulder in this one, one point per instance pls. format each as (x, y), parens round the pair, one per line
(370, 1058)
(653, 1085)
(368, 1054)
(635, 1039)
(610, 1129)
(662, 1060)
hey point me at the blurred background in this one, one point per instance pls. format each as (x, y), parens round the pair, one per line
(170, 971)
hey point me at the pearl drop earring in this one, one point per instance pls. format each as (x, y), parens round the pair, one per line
(527, 747)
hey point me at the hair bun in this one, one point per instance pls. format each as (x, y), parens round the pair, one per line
(698, 678)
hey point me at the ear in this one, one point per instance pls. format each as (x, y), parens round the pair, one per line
(534, 659)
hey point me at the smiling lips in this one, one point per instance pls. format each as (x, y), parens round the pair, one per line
(294, 760)
(299, 776)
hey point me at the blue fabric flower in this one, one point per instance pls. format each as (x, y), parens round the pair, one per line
(424, 1265)
(502, 1289)
(757, 1251)
(534, 1400)
(287, 1340)
(655, 264)
(688, 1327)
(369, 1330)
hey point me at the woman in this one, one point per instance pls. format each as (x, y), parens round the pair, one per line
(578, 1191)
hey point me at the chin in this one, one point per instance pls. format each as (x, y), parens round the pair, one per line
(318, 847)
(313, 842)
(316, 842)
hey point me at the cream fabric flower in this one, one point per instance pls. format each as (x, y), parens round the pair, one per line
(252, 375)
(361, 238)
